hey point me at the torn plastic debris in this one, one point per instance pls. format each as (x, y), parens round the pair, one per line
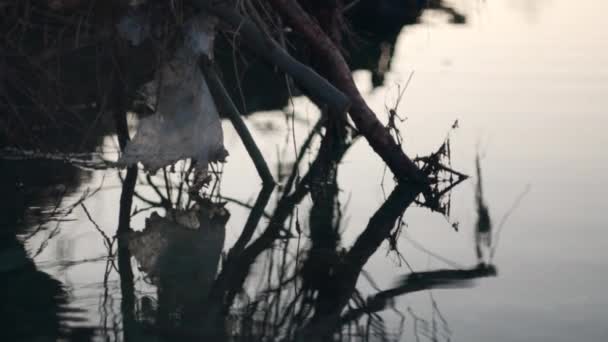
(186, 123)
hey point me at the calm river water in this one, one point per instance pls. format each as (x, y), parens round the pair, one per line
(527, 81)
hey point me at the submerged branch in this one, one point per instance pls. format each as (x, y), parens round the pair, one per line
(225, 102)
(334, 297)
(421, 281)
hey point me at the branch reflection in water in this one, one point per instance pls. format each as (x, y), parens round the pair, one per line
(306, 288)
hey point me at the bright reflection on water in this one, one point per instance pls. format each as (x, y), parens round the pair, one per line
(527, 82)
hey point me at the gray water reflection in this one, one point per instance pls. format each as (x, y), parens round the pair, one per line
(529, 96)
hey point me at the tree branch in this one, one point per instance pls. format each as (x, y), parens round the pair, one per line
(317, 87)
(221, 96)
(364, 118)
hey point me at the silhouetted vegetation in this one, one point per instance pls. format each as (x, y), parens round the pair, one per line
(70, 75)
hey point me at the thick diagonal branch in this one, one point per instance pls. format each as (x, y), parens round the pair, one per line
(334, 297)
(364, 118)
(318, 88)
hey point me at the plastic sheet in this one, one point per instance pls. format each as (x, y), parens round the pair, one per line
(186, 123)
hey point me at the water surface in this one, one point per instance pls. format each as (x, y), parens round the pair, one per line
(527, 83)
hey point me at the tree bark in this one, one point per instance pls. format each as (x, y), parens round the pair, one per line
(320, 90)
(364, 118)
(317, 87)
